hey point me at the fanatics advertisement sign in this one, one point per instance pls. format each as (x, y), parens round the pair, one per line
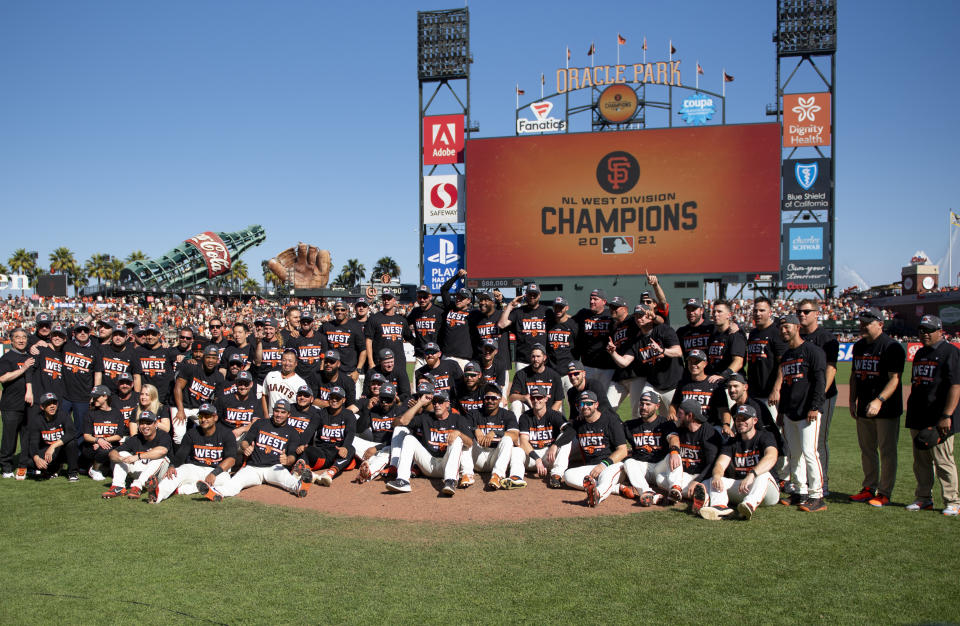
(672, 201)
(442, 139)
(806, 119)
(806, 256)
(442, 199)
(806, 184)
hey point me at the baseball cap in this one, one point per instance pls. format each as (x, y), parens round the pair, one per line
(693, 303)
(736, 376)
(645, 294)
(43, 318)
(306, 316)
(206, 408)
(790, 318)
(560, 300)
(532, 288)
(118, 329)
(305, 390)
(197, 345)
(270, 321)
(149, 416)
(387, 294)
(291, 350)
(443, 395)
(243, 376)
(693, 407)
(600, 293)
(339, 304)
(131, 322)
(642, 307)
(337, 391)
(376, 378)
(471, 366)
(361, 301)
(282, 404)
(259, 321)
(99, 391)
(431, 348)
(490, 343)
(650, 396)
(385, 353)
(332, 355)
(57, 329)
(930, 322)
(746, 411)
(47, 398)
(871, 315)
(926, 439)
(235, 358)
(463, 293)
(84, 324)
(423, 289)
(537, 392)
(388, 390)
(494, 387)
(616, 302)
(211, 349)
(124, 377)
(696, 355)
(425, 388)
(484, 295)
(575, 366)
(589, 396)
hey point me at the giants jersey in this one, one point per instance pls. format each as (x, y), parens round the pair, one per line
(649, 439)
(276, 386)
(200, 449)
(541, 431)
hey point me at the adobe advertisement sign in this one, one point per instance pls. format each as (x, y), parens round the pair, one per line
(673, 201)
(806, 184)
(442, 258)
(806, 119)
(214, 251)
(443, 199)
(806, 256)
(442, 139)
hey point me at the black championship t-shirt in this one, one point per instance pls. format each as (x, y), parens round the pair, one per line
(78, 365)
(104, 423)
(426, 325)
(42, 433)
(306, 421)
(746, 454)
(722, 348)
(872, 365)
(269, 441)
(698, 451)
(764, 349)
(711, 397)
(114, 362)
(662, 372)
(935, 369)
(201, 385)
(561, 338)
(529, 325)
(496, 424)
(592, 384)
(348, 339)
(541, 431)
(47, 376)
(336, 430)
(236, 413)
(593, 331)
(695, 337)
(376, 424)
(548, 381)
(485, 327)
(156, 368)
(447, 376)
(827, 342)
(271, 353)
(454, 336)
(199, 449)
(599, 439)
(139, 443)
(433, 432)
(649, 439)
(388, 331)
(804, 377)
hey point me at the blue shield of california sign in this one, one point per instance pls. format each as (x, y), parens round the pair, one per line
(806, 174)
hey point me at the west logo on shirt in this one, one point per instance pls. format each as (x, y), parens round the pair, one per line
(271, 442)
(240, 417)
(924, 371)
(745, 461)
(271, 356)
(201, 390)
(52, 435)
(105, 429)
(332, 433)
(540, 436)
(153, 366)
(53, 367)
(703, 397)
(756, 350)
(792, 371)
(646, 441)
(392, 331)
(559, 338)
(866, 366)
(114, 367)
(77, 362)
(488, 330)
(438, 437)
(689, 455)
(596, 327)
(337, 339)
(207, 455)
(591, 442)
(695, 342)
(425, 325)
(471, 404)
(381, 424)
(456, 318)
(310, 354)
(546, 387)
(299, 423)
(533, 326)
(715, 351)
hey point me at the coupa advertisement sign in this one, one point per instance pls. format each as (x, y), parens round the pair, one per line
(806, 256)
(673, 201)
(442, 258)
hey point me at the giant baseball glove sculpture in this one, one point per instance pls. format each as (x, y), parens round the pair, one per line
(310, 265)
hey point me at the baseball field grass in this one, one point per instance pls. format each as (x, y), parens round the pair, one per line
(69, 557)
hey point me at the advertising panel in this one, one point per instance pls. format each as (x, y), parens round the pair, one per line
(442, 139)
(671, 201)
(806, 119)
(442, 258)
(443, 199)
(806, 184)
(806, 256)
(214, 251)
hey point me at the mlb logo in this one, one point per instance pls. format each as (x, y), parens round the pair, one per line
(617, 245)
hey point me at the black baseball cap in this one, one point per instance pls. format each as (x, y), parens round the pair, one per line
(83, 324)
(361, 301)
(270, 321)
(490, 343)
(331, 355)
(650, 396)
(589, 396)
(443, 395)
(930, 322)
(149, 416)
(926, 439)
(431, 348)
(337, 391)
(560, 300)
(694, 408)
(376, 378)
(745, 411)
(425, 388)
(211, 349)
(532, 288)
(304, 390)
(472, 366)
(387, 294)
(537, 392)
(385, 353)
(600, 293)
(243, 376)
(790, 318)
(693, 303)
(575, 366)
(282, 404)
(57, 329)
(484, 295)
(206, 408)
(306, 316)
(388, 390)
(423, 289)
(235, 358)
(642, 307)
(43, 318)
(736, 377)
(696, 355)
(872, 314)
(47, 398)
(124, 377)
(100, 391)
(464, 293)
(118, 329)
(616, 302)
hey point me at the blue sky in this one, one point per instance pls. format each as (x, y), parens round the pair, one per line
(136, 125)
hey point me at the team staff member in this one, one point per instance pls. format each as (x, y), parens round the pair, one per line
(699, 447)
(386, 329)
(139, 457)
(424, 321)
(345, 335)
(742, 471)
(42, 332)
(802, 371)
(104, 431)
(50, 441)
(561, 337)
(15, 367)
(454, 336)
(529, 322)
(876, 402)
(206, 455)
(932, 416)
(810, 330)
(764, 348)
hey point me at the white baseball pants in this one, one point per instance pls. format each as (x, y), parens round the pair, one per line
(445, 467)
(185, 482)
(179, 430)
(806, 473)
(560, 463)
(607, 483)
(140, 471)
(250, 476)
(493, 460)
(764, 491)
(642, 473)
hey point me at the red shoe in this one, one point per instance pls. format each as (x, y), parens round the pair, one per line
(628, 492)
(152, 488)
(880, 501)
(866, 494)
(590, 485)
(113, 492)
(134, 493)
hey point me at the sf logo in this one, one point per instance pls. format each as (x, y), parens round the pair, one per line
(618, 172)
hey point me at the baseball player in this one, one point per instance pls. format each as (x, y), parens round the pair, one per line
(496, 432)
(103, 431)
(447, 374)
(742, 472)
(470, 393)
(332, 448)
(374, 446)
(699, 445)
(437, 445)
(599, 434)
(268, 448)
(656, 453)
(50, 440)
(238, 410)
(282, 383)
(697, 386)
(140, 457)
(535, 374)
(206, 456)
(540, 427)
(195, 385)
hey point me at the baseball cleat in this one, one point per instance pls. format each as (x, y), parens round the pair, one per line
(794, 499)
(554, 481)
(951, 510)
(466, 480)
(298, 467)
(590, 485)
(812, 505)
(920, 505)
(880, 501)
(390, 474)
(449, 487)
(714, 513)
(364, 474)
(745, 510)
(204, 490)
(113, 492)
(513, 482)
(648, 498)
(628, 492)
(675, 495)
(306, 479)
(94, 474)
(866, 494)
(325, 479)
(399, 485)
(494, 483)
(700, 498)
(74, 477)
(152, 488)
(21, 473)
(134, 493)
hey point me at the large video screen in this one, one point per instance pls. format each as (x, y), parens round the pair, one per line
(668, 201)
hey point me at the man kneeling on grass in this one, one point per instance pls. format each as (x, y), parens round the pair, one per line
(742, 471)
(265, 448)
(437, 439)
(202, 461)
(140, 457)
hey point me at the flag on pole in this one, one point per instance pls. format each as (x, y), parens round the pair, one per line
(727, 78)
(644, 43)
(699, 69)
(621, 39)
(591, 50)
(954, 218)
(520, 92)
(568, 57)
(672, 49)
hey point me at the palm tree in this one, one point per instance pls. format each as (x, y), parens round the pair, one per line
(61, 260)
(238, 271)
(136, 255)
(3, 269)
(352, 273)
(21, 261)
(98, 266)
(386, 265)
(114, 268)
(251, 286)
(77, 277)
(269, 278)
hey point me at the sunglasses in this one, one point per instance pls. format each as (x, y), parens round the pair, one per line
(470, 374)
(492, 398)
(439, 400)
(185, 338)
(805, 311)
(587, 403)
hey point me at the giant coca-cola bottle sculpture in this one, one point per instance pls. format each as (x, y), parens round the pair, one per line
(194, 263)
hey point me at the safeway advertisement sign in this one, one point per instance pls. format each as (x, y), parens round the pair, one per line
(442, 199)
(442, 139)
(806, 119)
